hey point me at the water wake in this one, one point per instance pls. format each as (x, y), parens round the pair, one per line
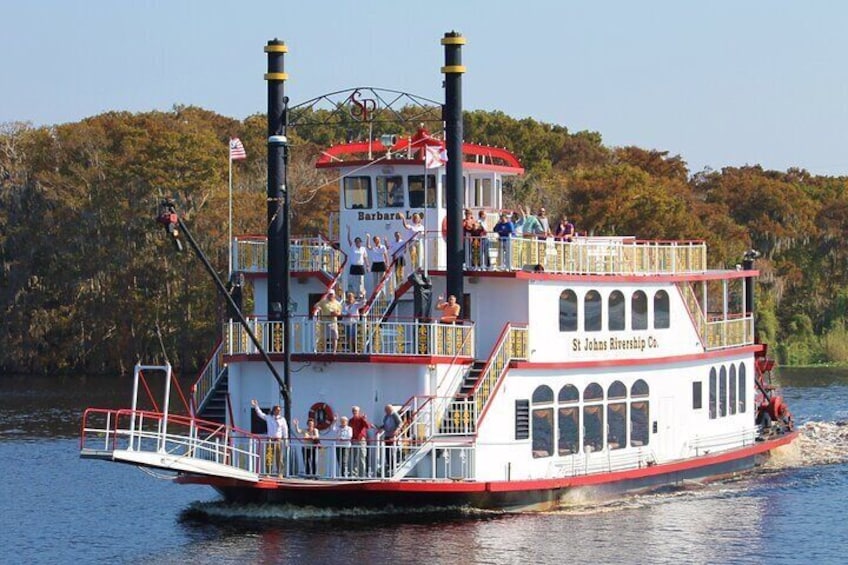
(820, 443)
(218, 511)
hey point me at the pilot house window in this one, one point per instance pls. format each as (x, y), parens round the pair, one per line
(390, 191)
(357, 192)
(417, 193)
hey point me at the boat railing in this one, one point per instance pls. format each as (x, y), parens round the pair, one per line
(106, 431)
(384, 293)
(585, 255)
(730, 331)
(711, 443)
(185, 439)
(250, 255)
(696, 312)
(356, 337)
(204, 387)
(406, 457)
(603, 461)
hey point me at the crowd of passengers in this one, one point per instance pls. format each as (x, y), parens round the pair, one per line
(346, 447)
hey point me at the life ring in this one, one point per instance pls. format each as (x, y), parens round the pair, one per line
(445, 228)
(322, 413)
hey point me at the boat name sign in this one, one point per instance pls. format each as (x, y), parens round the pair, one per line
(614, 344)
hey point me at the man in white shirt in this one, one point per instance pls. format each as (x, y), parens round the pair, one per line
(278, 432)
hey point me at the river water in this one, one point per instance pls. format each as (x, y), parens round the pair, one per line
(57, 508)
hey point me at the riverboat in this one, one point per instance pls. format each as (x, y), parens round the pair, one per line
(588, 367)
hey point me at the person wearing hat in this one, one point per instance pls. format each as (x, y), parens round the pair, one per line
(328, 310)
(505, 229)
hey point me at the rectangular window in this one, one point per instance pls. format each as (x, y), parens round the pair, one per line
(417, 193)
(522, 419)
(390, 191)
(697, 394)
(357, 193)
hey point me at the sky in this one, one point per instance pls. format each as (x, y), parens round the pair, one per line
(720, 83)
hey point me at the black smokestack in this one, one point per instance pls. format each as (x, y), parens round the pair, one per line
(278, 205)
(278, 265)
(453, 71)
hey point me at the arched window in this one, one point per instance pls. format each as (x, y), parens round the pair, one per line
(593, 391)
(592, 306)
(662, 317)
(568, 394)
(722, 392)
(713, 393)
(731, 389)
(568, 311)
(543, 422)
(615, 311)
(743, 391)
(639, 311)
(617, 415)
(639, 389)
(593, 418)
(569, 421)
(640, 413)
(543, 394)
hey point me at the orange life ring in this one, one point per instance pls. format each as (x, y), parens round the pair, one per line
(445, 227)
(322, 413)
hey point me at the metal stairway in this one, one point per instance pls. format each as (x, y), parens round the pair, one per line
(215, 407)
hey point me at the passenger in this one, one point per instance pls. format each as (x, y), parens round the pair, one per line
(505, 228)
(481, 235)
(359, 425)
(391, 426)
(358, 261)
(328, 310)
(397, 258)
(350, 319)
(344, 433)
(565, 230)
(470, 242)
(311, 441)
(450, 309)
(414, 232)
(379, 257)
(278, 433)
(545, 223)
(532, 227)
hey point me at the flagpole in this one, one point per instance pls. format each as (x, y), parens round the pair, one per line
(230, 220)
(424, 243)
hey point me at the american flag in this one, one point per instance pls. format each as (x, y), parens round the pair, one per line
(237, 150)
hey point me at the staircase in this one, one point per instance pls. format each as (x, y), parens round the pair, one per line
(215, 407)
(458, 414)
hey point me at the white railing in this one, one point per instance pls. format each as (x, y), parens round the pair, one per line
(250, 255)
(731, 332)
(711, 443)
(205, 385)
(184, 439)
(583, 256)
(171, 434)
(359, 337)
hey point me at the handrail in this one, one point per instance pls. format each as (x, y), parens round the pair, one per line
(206, 381)
(498, 361)
(388, 279)
(406, 338)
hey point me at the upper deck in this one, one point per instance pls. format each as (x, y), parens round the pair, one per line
(583, 256)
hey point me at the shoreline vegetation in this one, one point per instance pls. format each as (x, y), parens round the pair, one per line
(89, 283)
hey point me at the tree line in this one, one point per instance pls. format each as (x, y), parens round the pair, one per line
(89, 283)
